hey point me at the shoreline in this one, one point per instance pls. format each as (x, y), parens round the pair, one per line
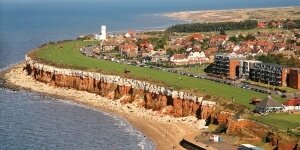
(164, 131)
(235, 14)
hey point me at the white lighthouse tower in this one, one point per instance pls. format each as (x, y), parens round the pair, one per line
(103, 33)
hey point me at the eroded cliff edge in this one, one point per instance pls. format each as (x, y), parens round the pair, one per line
(147, 95)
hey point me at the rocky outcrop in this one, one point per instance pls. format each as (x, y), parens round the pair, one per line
(254, 131)
(247, 129)
(145, 94)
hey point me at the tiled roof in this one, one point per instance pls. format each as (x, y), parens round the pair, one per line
(292, 102)
(179, 56)
(268, 102)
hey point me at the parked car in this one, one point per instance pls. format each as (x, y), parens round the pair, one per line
(283, 96)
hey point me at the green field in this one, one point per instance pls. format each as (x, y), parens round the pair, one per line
(67, 55)
(281, 121)
(193, 70)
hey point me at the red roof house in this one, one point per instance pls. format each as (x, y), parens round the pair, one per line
(292, 104)
(261, 25)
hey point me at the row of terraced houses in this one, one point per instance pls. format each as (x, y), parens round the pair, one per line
(235, 67)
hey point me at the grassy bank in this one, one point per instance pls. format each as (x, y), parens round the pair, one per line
(281, 121)
(67, 55)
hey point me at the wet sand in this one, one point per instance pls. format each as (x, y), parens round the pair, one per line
(165, 131)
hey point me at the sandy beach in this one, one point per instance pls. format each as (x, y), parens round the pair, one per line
(235, 15)
(165, 131)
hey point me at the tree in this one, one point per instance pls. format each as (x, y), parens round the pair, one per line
(241, 38)
(170, 52)
(181, 51)
(116, 48)
(209, 68)
(204, 45)
(250, 37)
(233, 39)
(208, 27)
(158, 43)
(290, 41)
(289, 25)
(193, 41)
(249, 57)
(279, 59)
(222, 31)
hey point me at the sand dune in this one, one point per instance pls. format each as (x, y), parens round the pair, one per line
(280, 13)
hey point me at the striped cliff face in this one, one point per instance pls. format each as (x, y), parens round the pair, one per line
(145, 94)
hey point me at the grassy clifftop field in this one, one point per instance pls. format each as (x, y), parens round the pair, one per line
(67, 55)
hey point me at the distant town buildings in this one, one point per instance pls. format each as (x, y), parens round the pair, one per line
(233, 67)
(179, 59)
(232, 56)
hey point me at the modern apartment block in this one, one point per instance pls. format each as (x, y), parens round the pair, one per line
(294, 78)
(226, 65)
(269, 74)
(245, 67)
(233, 67)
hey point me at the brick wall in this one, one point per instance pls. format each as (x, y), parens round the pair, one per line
(294, 78)
(232, 68)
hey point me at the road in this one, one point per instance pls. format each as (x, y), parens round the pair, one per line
(88, 51)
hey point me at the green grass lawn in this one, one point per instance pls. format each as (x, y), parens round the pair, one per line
(70, 57)
(193, 70)
(282, 121)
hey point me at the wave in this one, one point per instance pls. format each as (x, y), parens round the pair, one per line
(2, 68)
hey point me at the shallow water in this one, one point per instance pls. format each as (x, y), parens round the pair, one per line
(33, 121)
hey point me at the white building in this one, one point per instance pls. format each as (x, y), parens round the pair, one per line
(102, 35)
(197, 58)
(179, 59)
